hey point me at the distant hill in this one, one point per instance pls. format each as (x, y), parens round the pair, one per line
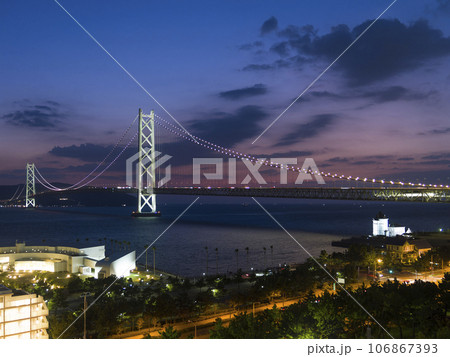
(7, 191)
(90, 198)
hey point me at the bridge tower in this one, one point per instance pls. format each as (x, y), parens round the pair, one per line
(146, 167)
(31, 189)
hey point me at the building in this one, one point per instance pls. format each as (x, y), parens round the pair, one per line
(117, 264)
(422, 247)
(406, 251)
(22, 315)
(22, 258)
(381, 227)
(400, 249)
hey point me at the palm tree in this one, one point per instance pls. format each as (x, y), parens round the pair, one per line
(246, 253)
(217, 261)
(146, 250)
(154, 260)
(129, 245)
(265, 260)
(206, 249)
(237, 259)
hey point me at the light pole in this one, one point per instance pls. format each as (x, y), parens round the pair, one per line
(85, 295)
(379, 262)
(265, 261)
(206, 249)
(146, 251)
(271, 255)
(217, 261)
(154, 260)
(195, 328)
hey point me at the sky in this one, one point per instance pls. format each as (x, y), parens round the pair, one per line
(225, 70)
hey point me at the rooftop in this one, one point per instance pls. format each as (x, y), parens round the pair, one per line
(4, 290)
(422, 244)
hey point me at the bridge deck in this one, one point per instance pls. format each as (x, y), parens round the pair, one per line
(351, 193)
(343, 193)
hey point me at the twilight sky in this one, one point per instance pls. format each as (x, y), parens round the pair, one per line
(225, 70)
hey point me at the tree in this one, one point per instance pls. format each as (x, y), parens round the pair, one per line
(146, 251)
(265, 260)
(154, 260)
(58, 300)
(170, 332)
(271, 254)
(217, 261)
(206, 249)
(246, 254)
(59, 324)
(139, 323)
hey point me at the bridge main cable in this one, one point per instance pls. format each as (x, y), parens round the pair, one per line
(233, 153)
(77, 185)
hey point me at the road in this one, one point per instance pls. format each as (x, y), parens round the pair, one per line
(201, 327)
(205, 324)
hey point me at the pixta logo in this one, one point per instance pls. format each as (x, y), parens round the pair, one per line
(145, 167)
(307, 172)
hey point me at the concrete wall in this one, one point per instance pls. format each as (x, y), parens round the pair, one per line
(380, 226)
(97, 253)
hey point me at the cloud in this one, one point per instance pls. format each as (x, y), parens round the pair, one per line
(228, 129)
(44, 116)
(251, 45)
(394, 93)
(438, 156)
(289, 154)
(443, 6)
(86, 152)
(235, 94)
(310, 129)
(364, 162)
(323, 94)
(436, 162)
(376, 96)
(281, 48)
(387, 49)
(258, 67)
(338, 159)
(269, 25)
(440, 131)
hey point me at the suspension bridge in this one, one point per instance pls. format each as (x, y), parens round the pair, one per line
(147, 186)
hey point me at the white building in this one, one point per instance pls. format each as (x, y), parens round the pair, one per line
(381, 227)
(22, 258)
(117, 264)
(22, 315)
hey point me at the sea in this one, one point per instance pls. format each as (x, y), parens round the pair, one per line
(217, 234)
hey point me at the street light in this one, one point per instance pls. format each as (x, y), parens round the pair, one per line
(195, 328)
(379, 262)
(85, 295)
